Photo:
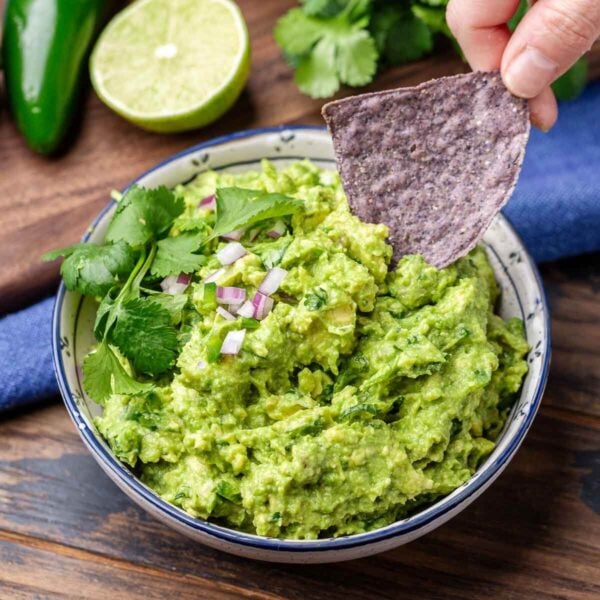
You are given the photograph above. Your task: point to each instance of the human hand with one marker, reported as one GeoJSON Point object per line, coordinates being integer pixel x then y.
{"type": "Point", "coordinates": [552, 35]}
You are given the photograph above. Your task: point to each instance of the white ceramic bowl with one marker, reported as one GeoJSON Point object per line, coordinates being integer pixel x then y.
{"type": "Point", "coordinates": [522, 296]}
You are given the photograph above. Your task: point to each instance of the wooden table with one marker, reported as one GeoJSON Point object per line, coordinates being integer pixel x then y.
{"type": "Point", "coordinates": [67, 531]}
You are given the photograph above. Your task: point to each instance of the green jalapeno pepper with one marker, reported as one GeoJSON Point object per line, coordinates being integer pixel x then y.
{"type": "Point", "coordinates": [44, 50]}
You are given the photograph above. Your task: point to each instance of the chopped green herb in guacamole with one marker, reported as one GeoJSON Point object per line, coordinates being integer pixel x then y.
{"type": "Point", "coordinates": [343, 398]}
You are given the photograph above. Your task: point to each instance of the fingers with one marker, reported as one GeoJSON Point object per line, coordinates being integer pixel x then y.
{"type": "Point", "coordinates": [480, 28]}
{"type": "Point", "coordinates": [543, 109]}
{"type": "Point", "coordinates": [551, 37]}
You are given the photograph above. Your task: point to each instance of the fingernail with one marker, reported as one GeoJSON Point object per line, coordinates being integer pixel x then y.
{"type": "Point", "coordinates": [529, 73]}
{"type": "Point", "coordinates": [540, 124]}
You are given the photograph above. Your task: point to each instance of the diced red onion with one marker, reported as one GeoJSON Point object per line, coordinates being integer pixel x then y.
{"type": "Point", "coordinates": [230, 295]}
{"type": "Point", "coordinates": [262, 305]}
{"type": "Point", "coordinates": [235, 235]}
{"type": "Point", "coordinates": [167, 282]}
{"type": "Point", "coordinates": [277, 230]}
{"type": "Point", "coordinates": [225, 314]}
{"type": "Point", "coordinates": [214, 276]}
{"type": "Point", "coordinates": [184, 278]}
{"type": "Point", "coordinates": [233, 308]}
{"type": "Point", "coordinates": [270, 284]}
{"type": "Point", "coordinates": [172, 285]}
{"type": "Point", "coordinates": [230, 253]}
{"type": "Point", "coordinates": [232, 343]}
{"type": "Point", "coordinates": [246, 310]}
{"type": "Point", "coordinates": [208, 203]}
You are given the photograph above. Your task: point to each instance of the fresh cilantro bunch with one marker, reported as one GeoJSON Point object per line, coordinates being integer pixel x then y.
{"type": "Point", "coordinates": [328, 43]}
{"type": "Point", "coordinates": [334, 42]}
{"type": "Point", "coordinates": [136, 323]}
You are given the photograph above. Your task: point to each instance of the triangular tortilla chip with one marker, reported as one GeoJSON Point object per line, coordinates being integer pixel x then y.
{"type": "Point", "coordinates": [434, 162]}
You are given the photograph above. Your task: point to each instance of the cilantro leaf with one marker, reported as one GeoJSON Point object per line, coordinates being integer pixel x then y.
{"type": "Point", "coordinates": [409, 39]}
{"type": "Point", "coordinates": [172, 303]}
{"type": "Point", "coordinates": [176, 255]}
{"type": "Point", "coordinates": [399, 34]}
{"type": "Point", "coordinates": [143, 215]}
{"type": "Point", "coordinates": [442, 3]}
{"type": "Point", "coordinates": [434, 18]}
{"type": "Point", "coordinates": [316, 73]}
{"type": "Point", "coordinates": [103, 375]}
{"type": "Point", "coordinates": [323, 8]}
{"type": "Point", "coordinates": [239, 207]}
{"type": "Point", "coordinates": [328, 46]}
{"type": "Point", "coordinates": [97, 373]}
{"type": "Point", "coordinates": [144, 334]}
{"type": "Point", "coordinates": [359, 11]}
{"type": "Point", "coordinates": [296, 33]}
{"type": "Point", "coordinates": [92, 270]}
{"type": "Point", "coordinates": [356, 58]}
{"type": "Point", "coordinates": [61, 252]}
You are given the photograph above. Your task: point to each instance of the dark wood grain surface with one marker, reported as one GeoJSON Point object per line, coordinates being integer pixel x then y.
{"type": "Point", "coordinates": [67, 532]}
{"type": "Point", "coordinates": [45, 203]}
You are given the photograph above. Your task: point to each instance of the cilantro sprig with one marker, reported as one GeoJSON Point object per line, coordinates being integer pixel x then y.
{"type": "Point", "coordinates": [133, 328]}
{"type": "Point", "coordinates": [136, 324]}
{"type": "Point", "coordinates": [143, 215]}
{"type": "Point", "coordinates": [178, 254]}
{"type": "Point", "coordinates": [334, 42]}
{"type": "Point", "coordinates": [239, 207]}
{"type": "Point", "coordinates": [92, 269]}
{"type": "Point", "coordinates": [329, 44]}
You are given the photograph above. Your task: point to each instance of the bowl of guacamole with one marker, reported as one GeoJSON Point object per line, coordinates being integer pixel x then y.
{"type": "Point", "coordinates": [243, 358]}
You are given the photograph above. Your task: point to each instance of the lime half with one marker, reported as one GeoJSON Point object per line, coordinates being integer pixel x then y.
{"type": "Point", "coordinates": [172, 65]}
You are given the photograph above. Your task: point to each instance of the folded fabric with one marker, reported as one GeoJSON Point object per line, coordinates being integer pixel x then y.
{"type": "Point", "coordinates": [26, 371]}
{"type": "Point", "coordinates": [555, 208]}
{"type": "Point", "coordinates": [556, 204]}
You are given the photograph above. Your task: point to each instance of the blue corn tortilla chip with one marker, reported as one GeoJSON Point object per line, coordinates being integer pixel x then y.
{"type": "Point", "coordinates": [434, 162]}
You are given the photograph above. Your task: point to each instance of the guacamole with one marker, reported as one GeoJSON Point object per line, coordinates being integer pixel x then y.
{"type": "Point", "coordinates": [365, 393]}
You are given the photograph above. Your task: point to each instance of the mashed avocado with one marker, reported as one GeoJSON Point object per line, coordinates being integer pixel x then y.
{"type": "Point", "coordinates": [364, 394]}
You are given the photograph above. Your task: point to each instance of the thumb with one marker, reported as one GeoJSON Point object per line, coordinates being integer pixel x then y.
{"type": "Point", "coordinates": [551, 37]}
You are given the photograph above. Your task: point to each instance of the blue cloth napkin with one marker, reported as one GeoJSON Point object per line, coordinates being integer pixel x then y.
{"type": "Point", "coordinates": [556, 204]}
{"type": "Point", "coordinates": [555, 208]}
{"type": "Point", "coordinates": [26, 371]}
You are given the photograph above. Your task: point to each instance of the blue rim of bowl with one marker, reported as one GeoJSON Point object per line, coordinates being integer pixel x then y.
{"type": "Point", "coordinates": [402, 527]}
